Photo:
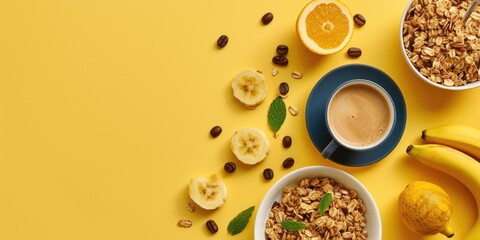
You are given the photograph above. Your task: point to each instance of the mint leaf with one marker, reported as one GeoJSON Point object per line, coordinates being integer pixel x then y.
{"type": "Point", "coordinates": [277, 114]}
{"type": "Point", "coordinates": [324, 203]}
{"type": "Point", "coordinates": [292, 225]}
{"type": "Point", "coordinates": [238, 223]}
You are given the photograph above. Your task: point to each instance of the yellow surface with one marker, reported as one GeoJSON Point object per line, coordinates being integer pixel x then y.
{"type": "Point", "coordinates": [105, 109]}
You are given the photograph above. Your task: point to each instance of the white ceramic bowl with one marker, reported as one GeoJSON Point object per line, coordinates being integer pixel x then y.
{"type": "Point", "coordinates": [374, 223]}
{"type": "Point", "coordinates": [417, 72]}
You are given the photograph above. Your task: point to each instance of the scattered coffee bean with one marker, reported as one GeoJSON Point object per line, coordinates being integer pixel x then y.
{"type": "Point", "coordinates": [267, 18]}
{"type": "Point", "coordinates": [293, 110]}
{"type": "Point", "coordinates": [354, 52]}
{"type": "Point", "coordinates": [359, 19]}
{"type": "Point", "coordinates": [222, 41]}
{"type": "Point", "coordinates": [215, 131]}
{"type": "Point", "coordinates": [288, 162]}
{"type": "Point", "coordinates": [212, 226]}
{"type": "Point", "coordinates": [297, 75]}
{"type": "Point", "coordinates": [230, 167]}
{"type": "Point", "coordinates": [280, 60]}
{"type": "Point", "coordinates": [268, 173]}
{"type": "Point", "coordinates": [283, 89]}
{"type": "Point", "coordinates": [287, 141]}
{"type": "Point", "coordinates": [282, 49]}
{"type": "Point", "coordinates": [274, 72]}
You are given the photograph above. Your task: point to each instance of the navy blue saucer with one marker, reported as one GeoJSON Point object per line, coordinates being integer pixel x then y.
{"type": "Point", "coordinates": [315, 113]}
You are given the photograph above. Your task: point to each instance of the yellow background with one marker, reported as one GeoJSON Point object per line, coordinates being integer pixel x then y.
{"type": "Point", "coordinates": [106, 108]}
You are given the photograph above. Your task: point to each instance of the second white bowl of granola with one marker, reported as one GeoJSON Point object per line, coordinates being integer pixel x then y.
{"type": "Point", "coordinates": [297, 197]}
{"type": "Point", "coordinates": [438, 46]}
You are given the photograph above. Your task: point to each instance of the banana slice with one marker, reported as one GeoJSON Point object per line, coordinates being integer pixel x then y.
{"type": "Point", "coordinates": [208, 193]}
{"type": "Point", "coordinates": [250, 145]}
{"type": "Point", "coordinates": [250, 88]}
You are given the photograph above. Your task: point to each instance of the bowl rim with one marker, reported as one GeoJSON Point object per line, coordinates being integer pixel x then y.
{"type": "Point", "coordinates": [292, 178]}
{"type": "Point", "coordinates": [412, 67]}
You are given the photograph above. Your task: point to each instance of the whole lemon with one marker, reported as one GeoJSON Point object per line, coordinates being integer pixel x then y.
{"type": "Point", "coordinates": [425, 208]}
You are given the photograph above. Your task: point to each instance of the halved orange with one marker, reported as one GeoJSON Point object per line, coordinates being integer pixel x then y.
{"type": "Point", "coordinates": [325, 26]}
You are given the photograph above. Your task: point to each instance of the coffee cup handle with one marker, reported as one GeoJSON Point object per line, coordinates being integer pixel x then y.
{"type": "Point", "coordinates": [330, 149]}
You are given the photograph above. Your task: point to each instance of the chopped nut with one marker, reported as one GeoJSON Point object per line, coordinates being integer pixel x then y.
{"type": "Point", "coordinates": [274, 72]}
{"type": "Point", "coordinates": [297, 75]}
{"type": "Point", "coordinates": [191, 207]}
{"type": "Point", "coordinates": [293, 110]}
{"type": "Point", "coordinates": [185, 223]}
{"type": "Point", "coordinates": [448, 82]}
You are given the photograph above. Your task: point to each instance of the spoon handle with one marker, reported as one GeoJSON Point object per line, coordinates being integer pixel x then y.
{"type": "Point", "coordinates": [470, 10]}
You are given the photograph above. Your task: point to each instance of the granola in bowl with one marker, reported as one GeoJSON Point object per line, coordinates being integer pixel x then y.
{"type": "Point", "coordinates": [351, 214]}
{"type": "Point", "coordinates": [345, 217]}
{"type": "Point", "coordinates": [439, 46]}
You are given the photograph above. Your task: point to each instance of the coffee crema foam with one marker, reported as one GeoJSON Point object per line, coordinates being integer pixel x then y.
{"type": "Point", "coordinates": [359, 115]}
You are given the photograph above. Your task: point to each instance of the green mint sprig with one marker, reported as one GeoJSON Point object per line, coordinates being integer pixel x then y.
{"type": "Point", "coordinates": [324, 203]}
{"type": "Point", "coordinates": [238, 223]}
{"type": "Point", "coordinates": [292, 225]}
{"type": "Point", "coordinates": [277, 114]}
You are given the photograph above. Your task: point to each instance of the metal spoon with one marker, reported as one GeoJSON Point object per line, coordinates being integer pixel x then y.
{"type": "Point", "coordinates": [470, 10]}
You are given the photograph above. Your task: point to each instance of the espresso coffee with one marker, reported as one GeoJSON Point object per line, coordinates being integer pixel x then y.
{"type": "Point", "coordinates": [359, 115]}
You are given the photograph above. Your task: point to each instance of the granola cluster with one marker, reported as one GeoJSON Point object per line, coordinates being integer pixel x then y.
{"type": "Point", "coordinates": [439, 44]}
{"type": "Point", "coordinates": [345, 218]}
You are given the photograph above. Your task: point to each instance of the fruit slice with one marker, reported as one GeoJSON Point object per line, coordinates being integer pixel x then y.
{"type": "Point", "coordinates": [250, 88]}
{"type": "Point", "coordinates": [208, 193]}
{"type": "Point", "coordinates": [325, 26]}
{"type": "Point", "coordinates": [250, 145]}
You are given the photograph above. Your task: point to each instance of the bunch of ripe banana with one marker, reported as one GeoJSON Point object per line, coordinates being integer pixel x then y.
{"type": "Point", "coordinates": [454, 150]}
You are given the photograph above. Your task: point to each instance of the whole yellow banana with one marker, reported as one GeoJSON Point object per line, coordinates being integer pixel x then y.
{"type": "Point", "coordinates": [456, 164]}
{"type": "Point", "coordinates": [461, 137]}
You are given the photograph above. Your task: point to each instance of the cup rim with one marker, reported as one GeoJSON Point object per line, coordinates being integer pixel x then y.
{"type": "Point", "coordinates": [391, 106]}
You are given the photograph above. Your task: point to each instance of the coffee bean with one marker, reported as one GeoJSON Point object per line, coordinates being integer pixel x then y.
{"type": "Point", "coordinates": [283, 89]}
{"type": "Point", "coordinates": [212, 226]}
{"type": "Point", "coordinates": [230, 167]}
{"type": "Point", "coordinates": [215, 131]}
{"type": "Point", "coordinates": [354, 52]}
{"type": "Point", "coordinates": [268, 173]}
{"type": "Point", "coordinates": [287, 141]}
{"type": "Point", "coordinates": [288, 162]}
{"type": "Point", "coordinates": [359, 19]}
{"type": "Point", "coordinates": [267, 18]}
{"type": "Point", "coordinates": [280, 60]}
{"type": "Point", "coordinates": [222, 41]}
{"type": "Point", "coordinates": [282, 49]}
